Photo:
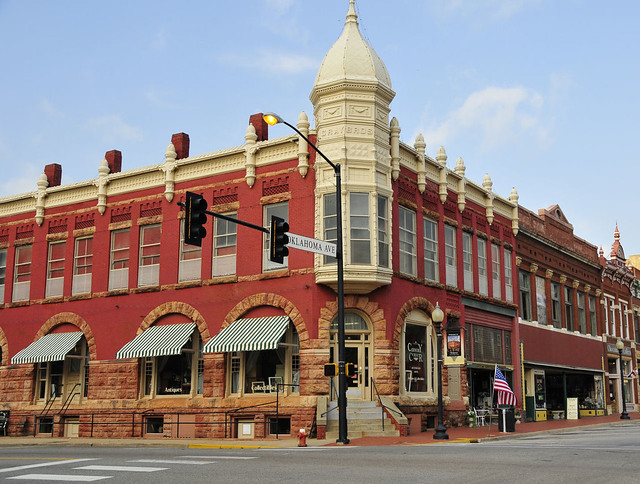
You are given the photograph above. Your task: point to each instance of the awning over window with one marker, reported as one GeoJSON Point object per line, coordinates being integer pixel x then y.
{"type": "Point", "coordinates": [250, 334]}
{"type": "Point", "coordinates": [158, 341]}
{"type": "Point", "coordinates": [51, 347]}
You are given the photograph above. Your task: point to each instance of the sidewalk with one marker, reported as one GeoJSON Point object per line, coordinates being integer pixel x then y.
{"type": "Point", "coordinates": [456, 435]}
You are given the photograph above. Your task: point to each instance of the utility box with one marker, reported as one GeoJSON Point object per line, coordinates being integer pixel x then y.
{"type": "Point", "coordinates": [507, 419]}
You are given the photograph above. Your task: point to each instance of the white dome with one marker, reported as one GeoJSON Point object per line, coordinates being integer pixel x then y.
{"type": "Point", "coordinates": [351, 58]}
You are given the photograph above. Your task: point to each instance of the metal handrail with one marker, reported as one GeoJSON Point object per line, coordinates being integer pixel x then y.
{"type": "Point", "coordinates": [69, 399]}
{"type": "Point", "coordinates": [382, 405]}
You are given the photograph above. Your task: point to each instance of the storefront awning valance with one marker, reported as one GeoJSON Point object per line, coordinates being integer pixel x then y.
{"type": "Point", "coordinates": [51, 347]}
{"type": "Point", "coordinates": [249, 334]}
{"type": "Point", "coordinates": [158, 341]}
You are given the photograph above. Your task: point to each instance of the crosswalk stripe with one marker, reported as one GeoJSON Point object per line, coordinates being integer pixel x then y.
{"type": "Point", "coordinates": [173, 461]}
{"type": "Point", "coordinates": [121, 468]}
{"type": "Point", "coordinates": [43, 464]}
{"type": "Point", "coordinates": [216, 457]}
{"type": "Point", "coordinates": [59, 477]}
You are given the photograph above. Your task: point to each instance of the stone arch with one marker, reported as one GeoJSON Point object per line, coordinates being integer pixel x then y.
{"type": "Point", "coordinates": [176, 307]}
{"type": "Point", "coordinates": [412, 304]}
{"type": "Point", "coordinates": [70, 318]}
{"type": "Point", "coordinates": [274, 300]}
{"type": "Point", "coordinates": [360, 303]}
{"type": "Point", "coordinates": [4, 348]}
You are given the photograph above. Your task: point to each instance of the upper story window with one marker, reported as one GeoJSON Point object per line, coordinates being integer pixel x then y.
{"type": "Point", "coordinates": [525, 295]}
{"type": "Point", "coordinates": [329, 223]}
{"type": "Point", "coordinates": [556, 315]}
{"type": "Point", "coordinates": [624, 318]}
{"type": "Point", "coordinates": [407, 236]}
{"type": "Point", "coordinates": [224, 246]}
{"type": "Point", "coordinates": [431, 258]}
{"type": "Point", "coordinates": [495, 270]}
{"type": "Point", "coordinates": [82, 265]}
{"type": "Point", "coordinates": [190, 259]}
{"type": "Point", "coordinates": [3, 272]}
{"type": "Point", "coordinates": [450, 255]}
{"type": "Point", "coordinates": [467, 261]}
{"type": "Point", "coordinates": [592, 316]}
{"type": "Point", "coordinates": [582, 315]}
{"type": "Point", "coordinates": [508, 277]}
{"type": "Point", "coordinates": [278, 210]}
{"type": "Point", "coordinates": [568, 307]}
{"type": "Point", "coordinates": [119, 259]}
{"type": "Point", "coordinates": [22, 273]}
{"type": "Point", "coordinates": [359, 233]}
{"type": "Point", "coordinates": [541, 300]}
{"type": "Point", "coordinates": [55, 269]}
{"type": "Point", "coordinates": [483, 277]}
{"type": "Point", "coordinates": [383, 231]}
{"type": "Point", "coordinates": [149, 261]}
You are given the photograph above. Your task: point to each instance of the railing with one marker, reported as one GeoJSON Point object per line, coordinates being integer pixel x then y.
{"type": "Point", "coordinates": [69, 399]}
{"type": "Point", "coordinates": [332, 393]}
{"type": "Point", "coordinates": [382, 405]}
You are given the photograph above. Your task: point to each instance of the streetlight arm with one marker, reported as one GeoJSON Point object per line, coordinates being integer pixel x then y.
{"type": "Point", "coordinates": [277, 119]}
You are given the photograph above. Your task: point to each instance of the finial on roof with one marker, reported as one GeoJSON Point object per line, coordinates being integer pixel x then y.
{"type": "Point", "coordinates": [352, 16]}
{"type": "Point", "coordinates": [616, 234]}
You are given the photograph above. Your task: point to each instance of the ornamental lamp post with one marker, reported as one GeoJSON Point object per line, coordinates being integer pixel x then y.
{"type": "Point", "coordinates": [623, 415]}
{"type": "Point", "coordinates": [437, 316]}
{"type": "Point", "coordinates": [273, 119]}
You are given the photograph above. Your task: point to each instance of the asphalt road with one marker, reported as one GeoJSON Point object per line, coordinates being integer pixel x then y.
{"type": "Point", "coordinates": [590, 455]}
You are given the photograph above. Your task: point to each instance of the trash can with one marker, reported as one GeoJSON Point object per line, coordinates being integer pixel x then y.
{"type": "Point", "coordinates": [507, 418]}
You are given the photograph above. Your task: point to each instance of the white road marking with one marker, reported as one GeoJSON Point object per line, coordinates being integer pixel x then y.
{"type": "Point", "coordinates": [60, 477]}
{"type": "Point", "coordinates": [121, 468]}
{"type": "Point", "coordinates": [173, 461]}
{"type": "Point", "coordinates": [44, 464]}
{"type": "Point", "coordinates": [216, 457]}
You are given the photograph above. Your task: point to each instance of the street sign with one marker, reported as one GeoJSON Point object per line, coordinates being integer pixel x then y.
{"type": "Point", "coordinates": [312, 245]}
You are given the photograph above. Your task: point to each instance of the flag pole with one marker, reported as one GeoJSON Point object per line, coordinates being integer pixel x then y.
{"type": "Point", "coordinates": [493, 387]}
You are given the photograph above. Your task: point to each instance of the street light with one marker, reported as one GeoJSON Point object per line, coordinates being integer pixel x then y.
{"type": "Point", "coordinates": [623, 415]}
{"type": "Point", "coordinates": [437, 316]}
{"type": "Point", "coordinates": [273, 119]}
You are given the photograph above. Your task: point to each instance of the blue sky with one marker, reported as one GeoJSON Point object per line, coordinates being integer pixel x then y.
{"type": "Point", "coordinates": [540, 94]}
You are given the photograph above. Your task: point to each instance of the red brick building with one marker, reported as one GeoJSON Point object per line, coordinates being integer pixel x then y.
{"type": "Point", "coordinates": [560, 317]}
{"type": "Point", "coordinates": [111, 326]}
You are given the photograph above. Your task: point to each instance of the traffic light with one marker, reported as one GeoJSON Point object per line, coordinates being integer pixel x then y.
{"type": "Point", "coordinates": [279, 239]}
{"type": "Point", "coordinates": [330, 369]}
{"type": "Point", "coordinates": [195, 218]}
{"type": "Point", "coordinates": [351, 369]}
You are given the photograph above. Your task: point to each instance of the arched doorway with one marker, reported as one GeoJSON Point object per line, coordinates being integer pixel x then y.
{"type": "Point", "coordinates": [358, 351]}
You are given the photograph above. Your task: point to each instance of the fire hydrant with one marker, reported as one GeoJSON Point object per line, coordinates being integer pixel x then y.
{"type": "Point", "coordinates": [302, 438]}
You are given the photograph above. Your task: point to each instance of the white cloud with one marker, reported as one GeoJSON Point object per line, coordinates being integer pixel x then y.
{"type": "Point", "coordinates": [496, 117]}
{"type": "Point", "coordinates": [24, 183]}
{"type": "Point", "coordinates": [493, 9]}
{"type": "Point", "coordinates": [113, 128]}
{"type": "Point", "coordinates": [280, 6]}
{"type": "Point", "coordinates": [271, 61]}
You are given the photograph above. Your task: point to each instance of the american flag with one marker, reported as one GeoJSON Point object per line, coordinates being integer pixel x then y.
{"type": "Point", "coordinates": [505, 394]}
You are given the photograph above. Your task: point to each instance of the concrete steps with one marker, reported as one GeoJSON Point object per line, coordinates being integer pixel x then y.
{"type": "Point", "coordinates": [364, 419]}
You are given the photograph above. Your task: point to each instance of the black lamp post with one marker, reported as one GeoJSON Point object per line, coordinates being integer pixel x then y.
{"type": "Point", "coordinates": [623, 415]}
{"type": "Point", "coordinates": [437, 316]}
{"type": "Point", "coordinates": [272, 119]}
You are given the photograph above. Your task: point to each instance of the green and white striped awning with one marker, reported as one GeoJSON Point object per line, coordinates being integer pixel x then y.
{"type": "Point", "coordinates": [250, 334]}
{"type": "Point", "coordinates": [51, 347]}
{"type": "Point", "coordinates": [158, 341]}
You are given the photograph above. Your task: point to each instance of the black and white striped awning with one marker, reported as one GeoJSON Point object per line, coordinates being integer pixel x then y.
{"type": "Point", "coordinates": [158, 341]}
{"type": "Point", "coordinates": [51, 347]}
{"type": "Point", "coordinates": [249, 334]}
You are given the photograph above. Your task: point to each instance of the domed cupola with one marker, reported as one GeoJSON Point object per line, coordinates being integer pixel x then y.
{"type": "Point", "coordinates": [351, 59]}
{"type": "Point", "coordinates": [351, 103]}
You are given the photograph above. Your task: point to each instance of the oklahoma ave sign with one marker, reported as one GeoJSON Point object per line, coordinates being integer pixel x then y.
{"type": "Point", "coordinates": [311, 245]}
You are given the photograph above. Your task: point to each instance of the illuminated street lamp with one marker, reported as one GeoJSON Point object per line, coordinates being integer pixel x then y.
{"type": "Point", "coordinates": [437, 316]}
{"type": "Point", "coordinates": [623, 415]}
{"type": "Point", "coordinates": [273, 119]}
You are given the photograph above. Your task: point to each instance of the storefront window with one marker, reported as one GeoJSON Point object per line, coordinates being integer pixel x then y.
{"type": "Point", "coordinates": [419, 353]}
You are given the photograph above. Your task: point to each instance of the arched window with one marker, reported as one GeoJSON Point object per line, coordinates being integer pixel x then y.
{"type": "Point", "coordinates": [418, 354]}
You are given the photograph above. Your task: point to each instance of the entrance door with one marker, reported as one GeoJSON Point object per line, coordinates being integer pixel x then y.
{"type": "Point", "coordinates": [358, 385]}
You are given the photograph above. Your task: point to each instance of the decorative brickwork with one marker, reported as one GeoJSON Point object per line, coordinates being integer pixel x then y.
{"type": "Point", "coordinates": [176, 307]}
{"type": "Point", "coordinates": [71, 318]}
